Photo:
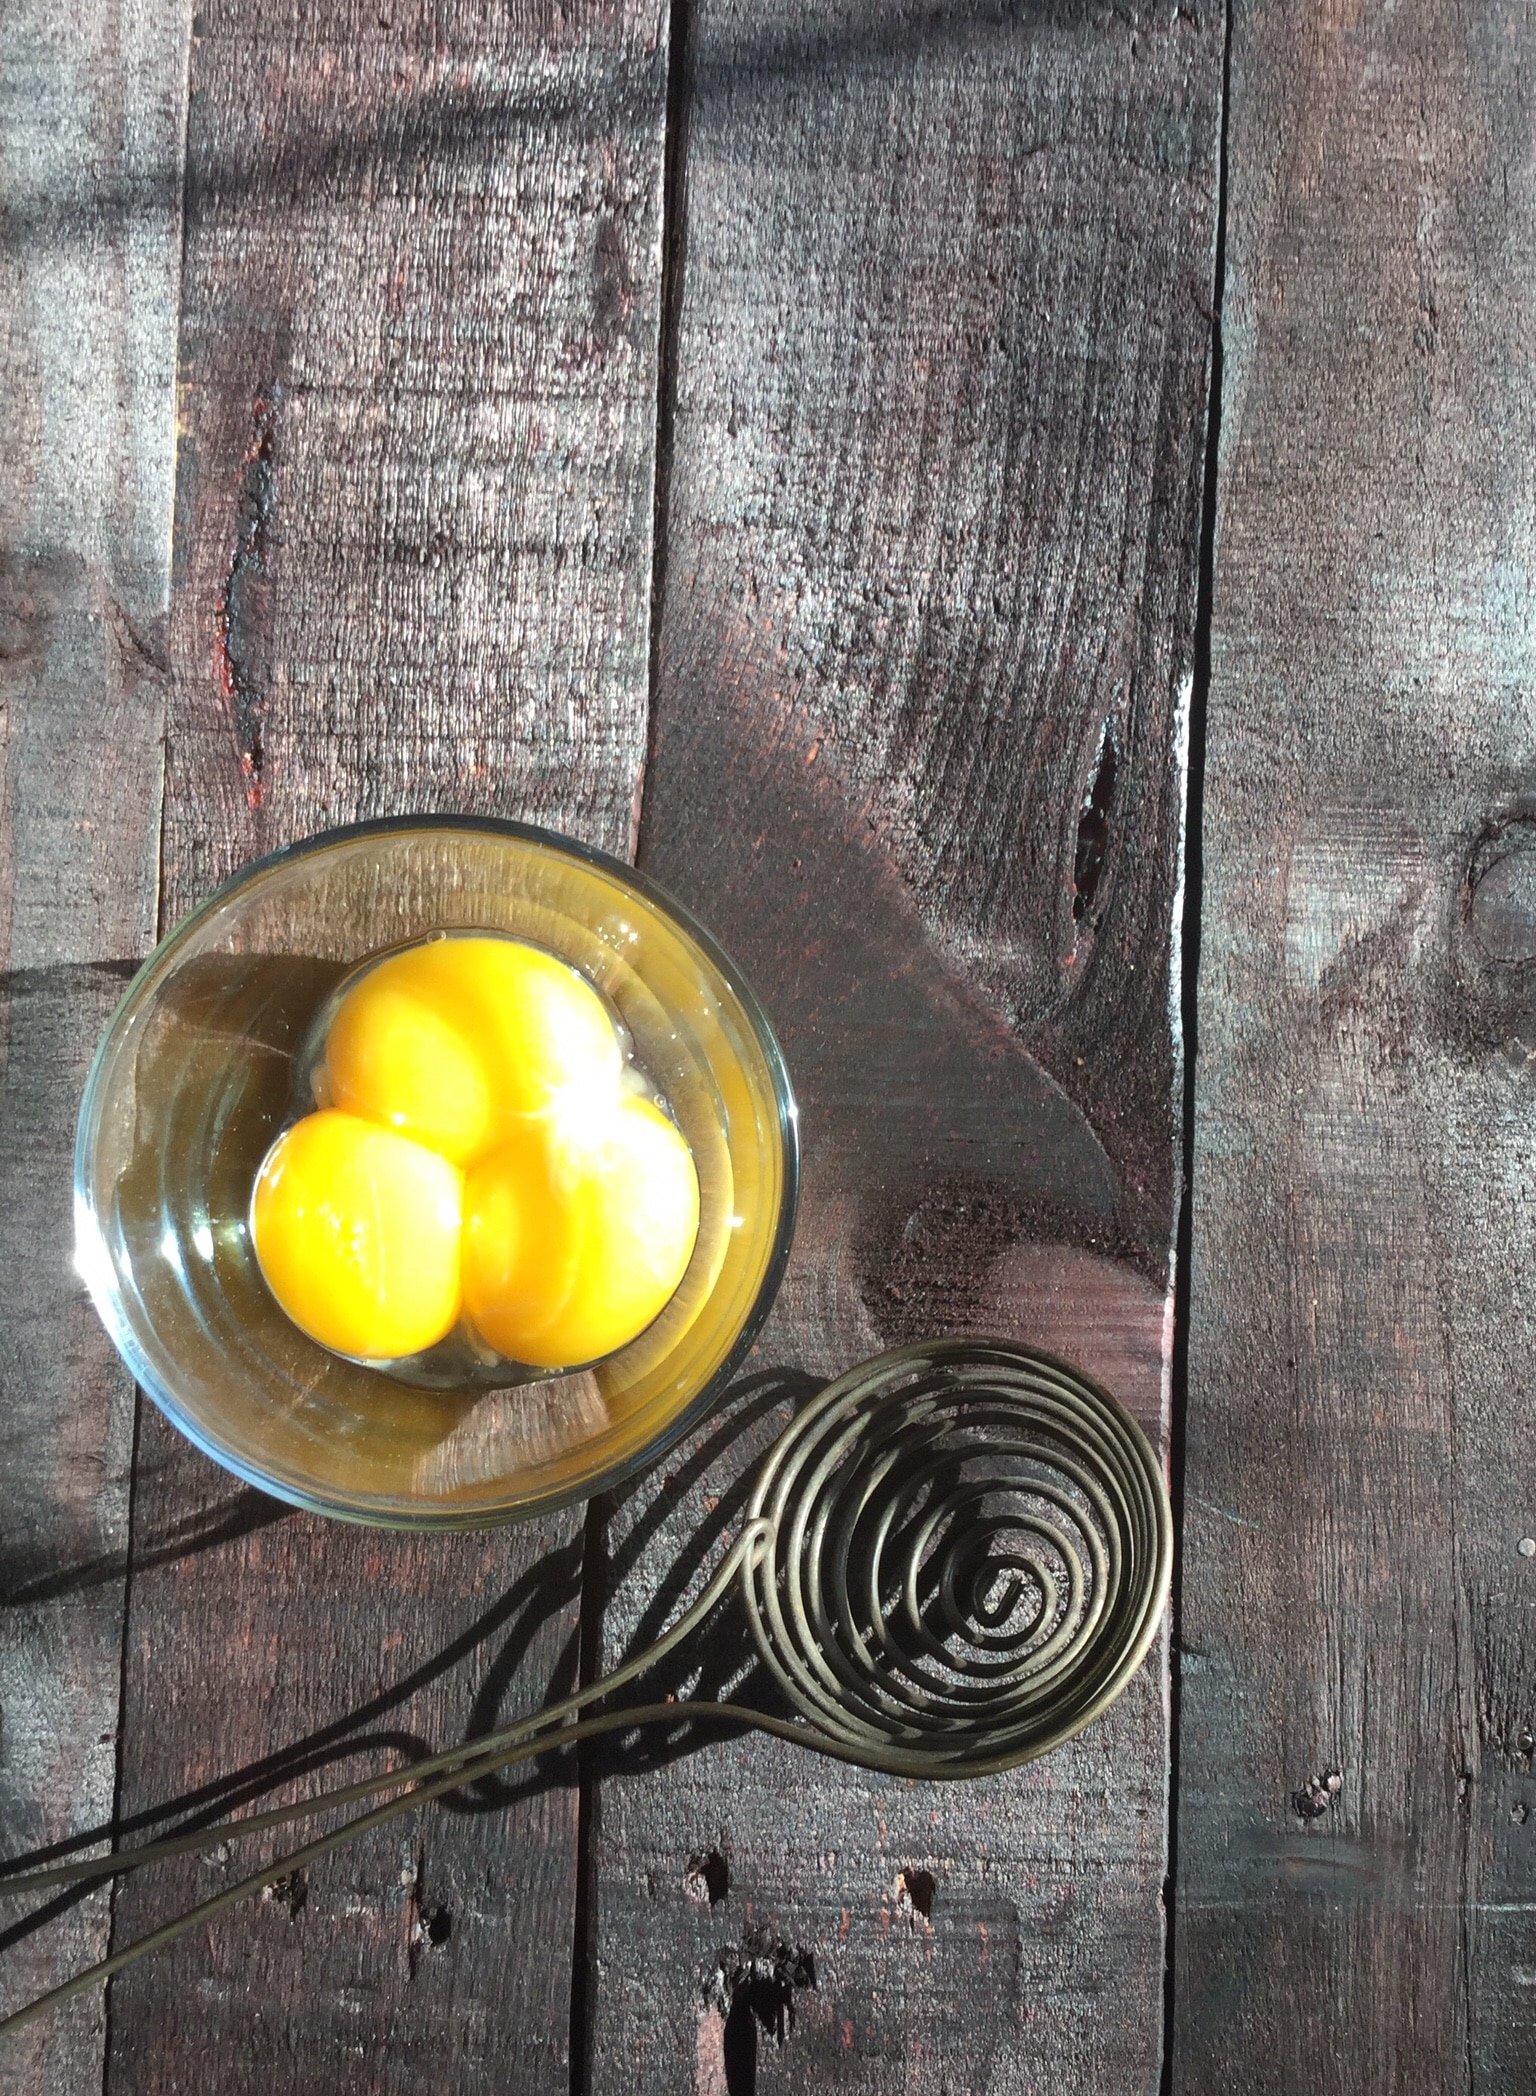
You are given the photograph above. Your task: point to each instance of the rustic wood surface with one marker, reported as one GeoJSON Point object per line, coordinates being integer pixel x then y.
{"type": "Point", "coordinates": [942, 293]}
{"type": "Point", "coordinates": [774, 441]}
{"type": "Point", "coordinates": [1355, 1890]}
{"type": "Point", "coordinates": [90, 126]}
{"type": "Point", "coordinates": [413, 561]}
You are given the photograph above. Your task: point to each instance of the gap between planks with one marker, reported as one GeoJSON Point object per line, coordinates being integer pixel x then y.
{"type": "Point", "coordinates": [594, 1558]}
{"type": "Point", "coordinates": [1187, 932]}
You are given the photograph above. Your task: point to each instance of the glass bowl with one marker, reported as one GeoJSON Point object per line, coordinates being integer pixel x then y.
{"type": "Point", "coordinates": [195, 1076]}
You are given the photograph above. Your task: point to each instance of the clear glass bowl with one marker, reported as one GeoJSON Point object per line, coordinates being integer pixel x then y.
{"type": "Point", "coordinates": [195, 1075]}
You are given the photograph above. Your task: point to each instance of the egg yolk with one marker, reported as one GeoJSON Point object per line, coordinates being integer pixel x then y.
{"type": "Point", "coordinates": [477, 1155]}
{"type": "Point", "coordinates": [453, 1041]}
{"type": "Point", "coordinates": [357, 1232]}
{"type": "Point", "coordinates": [577, 1231]}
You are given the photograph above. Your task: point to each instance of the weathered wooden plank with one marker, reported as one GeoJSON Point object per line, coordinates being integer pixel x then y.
{"type": "Point", "coordinates": [90, 127]}
{"type": "Point", "coordinates": [1356, 1897]}
{"type": "Point", "coordinates": [421, 303]}
{"type": "Point", "coordinates": [926, 646]}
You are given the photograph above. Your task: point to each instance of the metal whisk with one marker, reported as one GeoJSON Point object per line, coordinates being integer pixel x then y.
{"type": "Point", "coordinates": [954, 1559]}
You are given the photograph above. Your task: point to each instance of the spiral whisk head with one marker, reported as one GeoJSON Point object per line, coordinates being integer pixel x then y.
{"type": "Point", "coordinates": [967, 1552]}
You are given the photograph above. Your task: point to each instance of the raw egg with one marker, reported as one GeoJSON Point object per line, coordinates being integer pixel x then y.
{"type": "Point", "coordinates": [453, 1041]}
{"type": "Point", "coordinates": [482, 1159]}
{"type": "Point", "coordinates": [356, 1229]}
{"type": "Point", "coordinates": [577, 1231]}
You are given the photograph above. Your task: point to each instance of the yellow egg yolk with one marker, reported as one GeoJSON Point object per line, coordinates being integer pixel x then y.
{"type": "Point", "coordinates": [357, 1232]}
{"type": "Point", "coordinates": [476, 1156]}
{"type": "Point", "coordinates": [577, 1231]}
{"type": "Point", "coordinates": [453, 1041]}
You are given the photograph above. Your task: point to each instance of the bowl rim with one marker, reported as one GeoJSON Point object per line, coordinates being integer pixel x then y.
{"type": "Point", "coordinates": [93, 1262]}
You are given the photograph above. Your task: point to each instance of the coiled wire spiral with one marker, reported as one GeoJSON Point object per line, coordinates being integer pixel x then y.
{"type": "Point", "coordinates": [954, 1558]}
{"type": "Point", "coordinates": [968, 1553]}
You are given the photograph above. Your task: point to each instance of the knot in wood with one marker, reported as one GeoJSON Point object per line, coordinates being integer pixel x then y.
{"type": "Point", "coordinates": [1502, 884]}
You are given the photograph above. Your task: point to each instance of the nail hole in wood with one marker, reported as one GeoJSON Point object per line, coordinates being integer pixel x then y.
{"type": "Point", "coordinates": [914, 1895]}
{"type": "Point", "coordinates": [753, 1985]}
{"type": "Point", "coordinates": [706, 1877]}
{"type": "Point", "coordinates": [1317, 1794]}
{"type": "Point", "coordinates": [290, 1892]}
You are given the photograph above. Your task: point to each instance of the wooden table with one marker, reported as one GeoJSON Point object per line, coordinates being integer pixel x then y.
{"type": "Point", "coordinates": [1021, 514]}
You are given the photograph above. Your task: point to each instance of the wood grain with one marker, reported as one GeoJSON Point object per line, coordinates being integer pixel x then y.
{"type": "Point", "coordinates": [413, 562]}
{"type": "Point", "coordinates": [90, 130]}
{"type": "Point", "coordinates": [925, 649]}
{"type": "Point", "coordinates": [1357, 1883]}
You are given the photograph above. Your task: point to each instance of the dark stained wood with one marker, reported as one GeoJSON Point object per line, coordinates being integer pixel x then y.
{"type": "Point", "coordinates": [1357, 1881]}
{"type": "Point", "coordinates": [90, 126]}
{"type": "Point", "coordinates": [421, 302]}
{"type": "Point", "coordinates": [925, 657]}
